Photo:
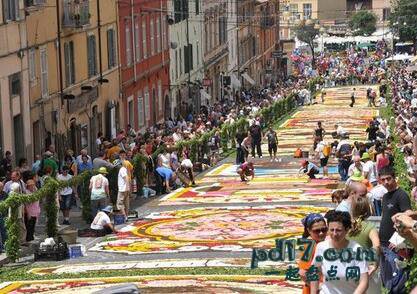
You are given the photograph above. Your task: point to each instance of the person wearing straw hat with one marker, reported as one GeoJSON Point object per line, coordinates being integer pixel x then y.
{"type": "Point", "coordinates": [101, 224]}
{"type": "Point", "coordinates": [99, 188]}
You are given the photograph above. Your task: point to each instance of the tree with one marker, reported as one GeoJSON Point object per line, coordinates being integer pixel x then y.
{"type": "Point", "coordinates": [363, 23]}
{"type": "Point", "coordinates": [403, 20]}
{"type": "Point", "coordinates": [306, 32]}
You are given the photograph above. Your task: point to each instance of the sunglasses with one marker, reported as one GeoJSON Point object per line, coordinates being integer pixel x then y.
{"type": "Point", "coordinates": [322, 230]}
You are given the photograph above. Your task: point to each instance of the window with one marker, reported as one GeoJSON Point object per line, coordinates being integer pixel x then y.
{"type": "Point", "coordinates": [180, 63]}
{"type": "Point", "coordinates": [10, 10]}
{"type": "Point", "coordinates": [197, 7]}
{"type": "Point", "coordinates": [128, 44]}
{"type": "Point", "coordinates": [152, 32]}
{"type": "Point", "coordinates": [198, 55]}
{"type": "Point", "coordinates": [307, 10]}
{"type": "Point", "coordinates": [294, 8]}
{"type": "Point", "coordinates": [14, 82]}
{"type": "Point", "coordinates": [91, 56]}
{"type": "Point", "coordinates": [158, 36]}
{"type": "Point", "coordinates": [147, 104]}
{"type": "Point", "coordinates": [180, 10]}
{"type": "Point", "coordinates": [44, 73]}
{"type": "Point", "coordinates": [188, 58]}
{"type": "Point", "coordinates": [144, 45]}
{"type": "Point", "coordinates": [206, 36]}
{"type": "Point", "coordinates": [386, 12]}
{"type": "Point", "coordinates": [137, 40]}
{"type": "Point", "coordinates": [111, 48]}
{"type": "Point", "coordinates": [69, 63]}
{"type": "Point", "coordinates": [141, 112]}
{"type": "Point", "coordinates": [160, 96]}
{"type": "Point", "coordinates": [176, 64]}
{"type": "Point", "coordinates": [32, 66]}
{"type": "Point", "coordinates": [164, 34]}
{"type": "Point", "coordinates": [222, 29]}
{"type": "Point", "coordinates": [131, 112]}
{"type": "Point", "coordinates": [177, 11]}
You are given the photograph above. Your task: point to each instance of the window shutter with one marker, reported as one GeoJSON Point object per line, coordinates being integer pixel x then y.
{"type": "Point", "coordinates": [67, 64]}
{"type": "Point", "coordinates": [137, 40]}
{"type": "Point", "coordinates": [72, 64]}
{"type": "Point", "coordinates": [44, 73]}
{"type": "Point", "coordinates": [93, 55]}
{"type": "Point", "coordinates": [109, 48]}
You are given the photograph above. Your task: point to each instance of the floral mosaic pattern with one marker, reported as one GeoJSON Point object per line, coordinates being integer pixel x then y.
{"type": "Point", "coordinates": [219, 229]}
{"type": "Point", "coordinates": [234, 191]}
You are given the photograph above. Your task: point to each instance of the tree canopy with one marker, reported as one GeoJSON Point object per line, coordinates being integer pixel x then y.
{"type": "Point", "coordinates": [307, 32]}
{"type": "Point", "coordinates": [403, 19]}
{"type": "Point", "coordinates": [363, 23]}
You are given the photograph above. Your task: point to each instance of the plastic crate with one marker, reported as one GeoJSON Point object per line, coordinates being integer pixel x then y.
{"type": "Point", "coordinates": [75, 251]}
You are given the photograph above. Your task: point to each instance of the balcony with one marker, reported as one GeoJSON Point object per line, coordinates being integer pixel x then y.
{"type": "Point", "coordinates": [76, 13]}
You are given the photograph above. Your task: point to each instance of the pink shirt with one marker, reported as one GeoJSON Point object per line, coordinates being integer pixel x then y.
{"type": "Point", "coordinates": [33, 209]}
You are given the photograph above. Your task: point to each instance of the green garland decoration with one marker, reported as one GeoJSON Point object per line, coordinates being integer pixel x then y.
{"type": "Point", "coordinates": [139, 171]}
{"type": "Point", "coordinates": [13, 233]}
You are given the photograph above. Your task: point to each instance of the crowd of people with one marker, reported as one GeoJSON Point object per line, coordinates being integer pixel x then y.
{"type": "Point", "coordinates": [366, 168]}
{"type": "Point", "coordinates": [165, 171]}
{"type": "Point", "coordinates": [371, 188]}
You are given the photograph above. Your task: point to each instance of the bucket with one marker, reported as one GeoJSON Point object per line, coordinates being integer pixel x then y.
{"type": "Point", "coordinates": [69, 236]}
{"type": "Point", "coordinates": [119, 219]}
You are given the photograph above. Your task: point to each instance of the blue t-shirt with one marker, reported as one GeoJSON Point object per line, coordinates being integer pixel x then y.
{"type": "Point", "coordinates": [312, 166]}
{"type": "Point", "coordinates": [84, 166]}
{"type": "Point", "coordinates": [164, 172]}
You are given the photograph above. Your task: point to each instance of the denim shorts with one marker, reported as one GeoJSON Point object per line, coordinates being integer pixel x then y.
{"type": "Point", "coordinates": [65, 202]}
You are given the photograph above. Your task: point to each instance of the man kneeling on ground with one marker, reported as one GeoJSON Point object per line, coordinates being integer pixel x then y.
{"type": "Point", "coordinates": [101, 223]}
{"type": "Point", "coordinates": [245, 170]}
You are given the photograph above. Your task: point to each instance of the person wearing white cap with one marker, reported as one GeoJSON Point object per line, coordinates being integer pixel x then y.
{"type": "Point", "coordinates": [102, 223]}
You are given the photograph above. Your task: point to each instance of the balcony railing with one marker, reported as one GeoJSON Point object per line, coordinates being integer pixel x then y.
{"type": "Point", "coordinates": [76, 13]}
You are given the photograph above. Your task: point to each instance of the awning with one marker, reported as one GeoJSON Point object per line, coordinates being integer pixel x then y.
{"type": "Point", "coordinates": [248, 79]}
{"type": "Point", "coordinates": [235, 81]}
{"type": "Point", "coordinates": [205, 96]}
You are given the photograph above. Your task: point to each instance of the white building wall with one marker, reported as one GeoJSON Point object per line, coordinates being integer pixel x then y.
{"type": "Point", "coordinates": [178, 39]}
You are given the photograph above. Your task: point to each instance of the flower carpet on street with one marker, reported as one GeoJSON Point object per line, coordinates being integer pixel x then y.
{"type": "Point", "coordinates": [297, 131]}
{"type": "Point", "coordinates": [234, 191]}
{"type": "Point", "coordinates": [162, 284]}
{"type": "Point", "coordinates": [214, 229]}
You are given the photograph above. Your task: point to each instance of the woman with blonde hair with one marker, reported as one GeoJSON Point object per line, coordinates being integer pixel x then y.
{"type": "Point", "coordinates": [365, 233]}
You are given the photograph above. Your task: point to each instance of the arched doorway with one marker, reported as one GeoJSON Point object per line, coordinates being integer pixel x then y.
{"type": "Point", "coordinates": [167, 108]}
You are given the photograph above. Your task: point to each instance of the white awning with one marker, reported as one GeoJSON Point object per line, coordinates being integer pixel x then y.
{"type": "Point", "coordinates": [235, 81]}
{"type": "Point", "coordinates": [205, 96]}
{"type": "Point", "coordinates": [248, 79]}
